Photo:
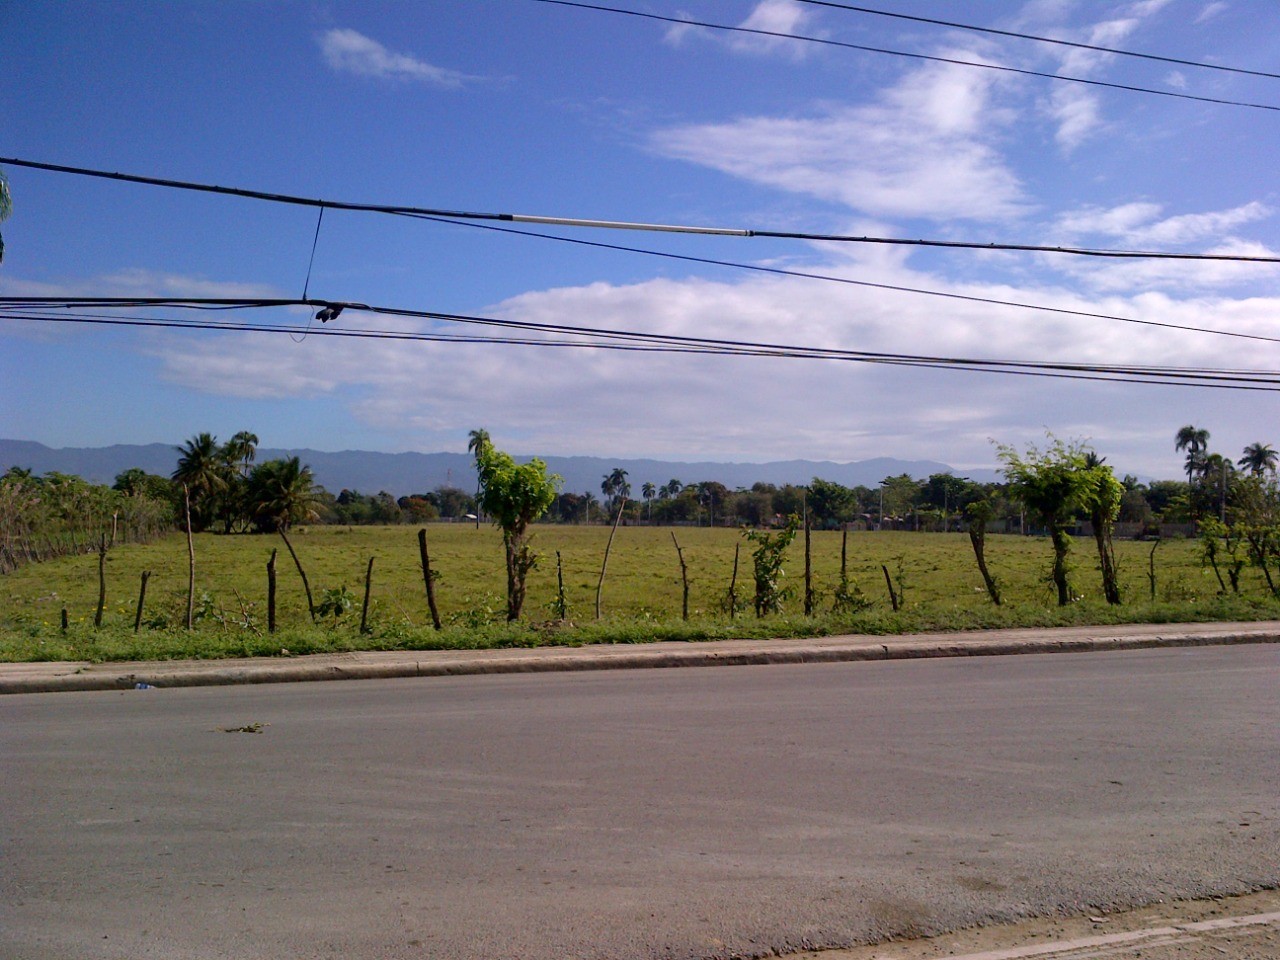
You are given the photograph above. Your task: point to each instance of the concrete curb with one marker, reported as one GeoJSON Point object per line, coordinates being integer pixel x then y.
{"type": "Point", "coordinates": [45, 678]}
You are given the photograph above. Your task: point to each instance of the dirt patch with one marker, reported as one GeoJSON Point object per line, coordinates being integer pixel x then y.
{"type": "Point", "coordinates": [1213, 938]}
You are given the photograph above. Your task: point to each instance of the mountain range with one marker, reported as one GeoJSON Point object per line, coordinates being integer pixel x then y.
{"type": "Point", "coordinates": [405, 473]}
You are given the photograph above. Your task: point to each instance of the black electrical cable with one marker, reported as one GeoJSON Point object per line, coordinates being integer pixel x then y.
{"type": "Point", "coordinates": [428, 213]}
{"type": "Point", "coordinates": [914, 56]}
{"type": "Point", "coordinates": [48, 303]}
{"type": "Point", "coordinates": [637, 341]}
{"type": "Point", "coordinates": [897, 288]}
{"type": "Point", "coordinates": [1054, 40]}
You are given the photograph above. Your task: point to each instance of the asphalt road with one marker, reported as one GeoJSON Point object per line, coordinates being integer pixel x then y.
{"type": "Point", "coordinates": [636, 814]}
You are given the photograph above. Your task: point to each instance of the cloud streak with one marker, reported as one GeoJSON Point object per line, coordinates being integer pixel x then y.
{"type": "Point", "coordinates": [348, 51]}
{"type": "Point", "coordinates": [921, 151]}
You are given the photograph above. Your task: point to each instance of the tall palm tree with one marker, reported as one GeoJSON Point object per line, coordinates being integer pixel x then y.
{"type": "Point", "coordinates": [1195, 440]}
{"type": "Point", "coordinates": [671, 489]}
{"type": "Point", "coordinates": [241, 450]}
{"type": "Point", "coordinates": [1259, 458]}
{"type": "Point", "coordinates": [1216, 471]}
{"type": "Point", "coordinates": [649, 491]}
{"type": "Point", "coordinates": [201, 469]}
{"type": "Point", "coordinates": [478, 443]}
{"type": "Point", "coordinates": [6, 206]}
{"type": "Point", "coordinates": [615, 486]}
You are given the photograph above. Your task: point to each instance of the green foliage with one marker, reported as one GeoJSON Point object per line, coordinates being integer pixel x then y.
{"type": "Point", "coordinates": [645, 601]}
{"type": "Point", "coordinates": [848, 598]}
{"type": "Point", "coordinates": [829, 504]}
{"type": "Point", "coordinates": [766, 561]}
{"type": "Point", "coordinates": [1056, 484]}
{"type": "Point", "coordinates": [280, 494]}
{"type": "Point", "coordinates": [58, 514]}
{"type": "Point", "coordinates": [514, 496]}
{"type": "Point", "coordinates": [335, 602]}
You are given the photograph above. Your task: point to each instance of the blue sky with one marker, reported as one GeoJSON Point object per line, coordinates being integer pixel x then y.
{"type": "Point", "coordinates": [519, 106]}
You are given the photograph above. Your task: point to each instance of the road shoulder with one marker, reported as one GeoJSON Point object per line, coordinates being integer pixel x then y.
{"type": "Point", "coordinates": [69, 676]}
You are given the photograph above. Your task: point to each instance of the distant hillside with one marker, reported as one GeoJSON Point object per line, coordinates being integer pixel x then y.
{"type": "Point", "coordinates": [405, 473]}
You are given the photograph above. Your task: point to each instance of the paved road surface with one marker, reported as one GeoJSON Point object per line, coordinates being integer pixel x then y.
{"type": "Point", "coordinates": [632, 815]}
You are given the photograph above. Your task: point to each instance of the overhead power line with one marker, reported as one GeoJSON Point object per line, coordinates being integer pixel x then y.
{"type": "Point", "coordinates": [430, 213]}
{"type": "Point", "coordinates": [39, 309]}
{"type": "Point", "coordinates": [1038, 39]}
{"type": "Point", "coordinates": [850, 281]}
{"type": "Point", "coordinates": [865, 48]}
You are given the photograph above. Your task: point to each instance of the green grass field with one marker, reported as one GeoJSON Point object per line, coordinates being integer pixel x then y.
{"type": "Point", "coordinates": [641, 599]}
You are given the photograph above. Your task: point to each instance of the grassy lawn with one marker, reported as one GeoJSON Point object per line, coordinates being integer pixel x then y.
{"type": "Point", "coordinates": [641, 600]}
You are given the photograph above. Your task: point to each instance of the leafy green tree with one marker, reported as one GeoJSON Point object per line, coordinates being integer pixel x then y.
{"type": "Point", "coordinates": [980, 513]}
{"type": "Point", "coordinates": [948, 494]}
{"type": "Point", "coordinates": [1255, 513]}
{"type": "Point", "coordinates": [767, 560]}
{"type": "Point", "coordinates": [830, 504]}
{"type": "Point", "coordinates": [136, 482]}
{"type": "Point", "coordinates": [900, 495]}
{"type": "Point", "coordinates": [1054, 484]}
{"type": "Point", "coordinates": [451, 501]}
{"type": "Point", "coordinates": [1102, 499]}
{"type": "Point", "coordinates": [418, 509]}
{"type": "Point", "coordinates": [514, 496]}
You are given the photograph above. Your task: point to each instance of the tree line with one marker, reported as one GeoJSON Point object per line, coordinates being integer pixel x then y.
{"type": "Point", "coordinates": [1053, 490]}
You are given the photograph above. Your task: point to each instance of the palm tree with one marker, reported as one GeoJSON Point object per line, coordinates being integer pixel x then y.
{"type": "Point", "coordinates": [1194, 440]}
{"type": "Point", "coordinates": [241, 450]}
{"type": "Point", "coordinates": [615, 485]}
{"type": "Point", "coordinates": [1259, 458]}
{"type": "Point", "coordinates": [648, 491]}
{"type": "Point", "coordinates": [6, 206]}
{"type": "Point", "coordinates": [671, 489]}
{"type": "Point", "coordinates": [201, 469]}
{"type": "Point", "coordinates": [281, 493]}
{"type": "Point", "coordinates": [1216, 470]}
{"type": "Point", "coordinates": [478, 443]}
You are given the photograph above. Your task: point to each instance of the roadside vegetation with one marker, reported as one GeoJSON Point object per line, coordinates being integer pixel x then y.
{"type": "Point", "coordinates": [231, 558]}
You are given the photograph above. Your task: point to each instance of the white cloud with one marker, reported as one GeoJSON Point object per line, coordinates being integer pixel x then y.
{"type": "Point", "coordinates": [1076, 113]}
{"type": "Point", "coordinates": [560, 400]}
{"type": "Point", "coordinates": [348, 51]}
{"type": "Point", "coordinates": [1138, 224]}
{"type": "Point", "coordinates": [1211, 10]}
{"type": "Point", "coordinates": [771, 16]}
{"type": "Point", "coordinates": [1073, 108]}
{"type": "Point", "coordinates": [1188, 277]}
{"type": "Point", "coordinates": [921, 151]}
{"type": "Point", "coordinates": [136, 282]}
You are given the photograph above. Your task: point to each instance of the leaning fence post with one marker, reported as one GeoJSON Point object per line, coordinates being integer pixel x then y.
{"type": "Point", "coordinates": [102, 581]}
{"type": "Point", "coordinates": [428, 578]}
{"type": "Point", "coordinates": [364, 610]}
{"type": "Point", "coordinates": [142, 596]}
{"type": "Point", "coordinates": [271, 592]}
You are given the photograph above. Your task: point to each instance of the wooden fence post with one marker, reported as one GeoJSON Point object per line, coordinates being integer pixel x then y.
{"type": "Point", "coordinates": [142, 597]}
{"type": "Point", "coordinates": [364, 610]}
{"type": "Point", "coordinates": [428, 578]}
